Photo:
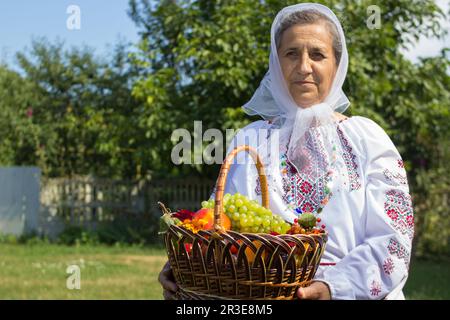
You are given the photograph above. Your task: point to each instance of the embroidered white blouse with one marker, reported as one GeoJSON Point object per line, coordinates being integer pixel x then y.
{"type": "Point", "coordinates": [363, 203]}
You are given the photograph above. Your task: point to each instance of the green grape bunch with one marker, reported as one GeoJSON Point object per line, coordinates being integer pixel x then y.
{"type": "Point", "coordinates": [249, 216]}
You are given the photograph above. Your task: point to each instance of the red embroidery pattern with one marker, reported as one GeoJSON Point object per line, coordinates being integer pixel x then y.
{"type": "Point", "coordinates": [375, 288]}
{"type": "Point", "coordinates": [304, 189]}
{"type": "Point", "coordinates": [400, 163]}
{"type": "Point", "coordinates": [388, 266]}
{"type": "Point", "coordinates": [398, 207]}
{"type": "Point", "coordinates": [399, 251]}
{"type": "Point", "coordinates": [395, 179]}
{"type": "Point", "coordinates": [350, 161]}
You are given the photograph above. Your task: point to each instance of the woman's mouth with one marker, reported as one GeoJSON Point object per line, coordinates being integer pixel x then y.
{"type": "Point", "coordinates": [304, 83]}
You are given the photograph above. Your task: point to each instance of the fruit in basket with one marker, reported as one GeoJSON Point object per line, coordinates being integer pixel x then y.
{"type": "Point", "coordinates": [188, 247]}
{"type": "Point", "coordinates": [249, 216]}
{"type": "Point", "coordinates": [251, 255]}
{"type": "Point", "coordinates": [248, 251]}
{"type": "Point", "coordinates": [204, 219]}
{"type": "Point", "coordinates": [305, 224]}
{"type": "Point", "coordinates": [307, 220]}
{"type": "Point", "coordinates": [296, 229]}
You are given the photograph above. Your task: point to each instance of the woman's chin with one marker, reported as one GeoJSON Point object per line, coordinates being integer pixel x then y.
{"type": "Point", "coordinates": [305, 103]}
{"type": "Point", "coordinates": [306, 100]}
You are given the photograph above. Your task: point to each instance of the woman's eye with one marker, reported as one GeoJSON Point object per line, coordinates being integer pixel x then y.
{"type": "Point", "coordinates": [291, 54]}
{"type": "Point", "coordinates": [317, 56]}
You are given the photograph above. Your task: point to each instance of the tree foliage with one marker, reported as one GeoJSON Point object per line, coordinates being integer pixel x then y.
{"type": "Point", "coordinates": [70, 112]}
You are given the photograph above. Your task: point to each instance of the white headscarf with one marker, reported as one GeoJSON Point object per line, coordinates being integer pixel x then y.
{"type": "Point", "coordinates": [272, 100]}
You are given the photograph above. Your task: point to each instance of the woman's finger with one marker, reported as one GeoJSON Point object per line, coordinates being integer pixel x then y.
{"type": "Point", "coordinates": [308, 293]}
{"type": "Point", "coordinates": [168, 295]}
{"type": "Point", "coordinates": [166, 282]}
{"type": "Point", "coordinates": [166, 279]}
{"type": "Point", "coordinates": [315, 291]}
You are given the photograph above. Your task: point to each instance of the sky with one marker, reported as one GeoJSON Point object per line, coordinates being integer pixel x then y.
{"type": "Point", "coordinates": [102, 23]}
{"type": "Point", "coordinates": [431, 47]}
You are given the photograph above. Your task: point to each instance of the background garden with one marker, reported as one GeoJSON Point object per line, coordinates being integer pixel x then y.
{"type": "Point", "coordinates": [77, 115]}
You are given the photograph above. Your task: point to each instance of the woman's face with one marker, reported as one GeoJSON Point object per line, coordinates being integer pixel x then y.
{"type": "Point", "coordinates": [308, 63]}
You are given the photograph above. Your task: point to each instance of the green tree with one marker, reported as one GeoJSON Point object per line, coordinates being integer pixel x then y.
{"type": "Point", "coordinates": [18, 132]}
{"type": "Point", "coordinates": [202, 61]}
{"type": "Point", "coordinates": [82, 111]}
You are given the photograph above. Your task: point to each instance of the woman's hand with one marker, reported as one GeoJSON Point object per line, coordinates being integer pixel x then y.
{"type": "Point", "coordinates": [315, 291]}
{"type": "Point", "coordinates": [167, 282]}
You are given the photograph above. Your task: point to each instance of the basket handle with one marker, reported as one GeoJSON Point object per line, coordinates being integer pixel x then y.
{"type": "Point", "coordinates": [220, 187]}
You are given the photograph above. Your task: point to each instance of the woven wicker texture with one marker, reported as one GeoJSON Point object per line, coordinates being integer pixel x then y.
{"type": "Point", "coordinates": [220, 264]}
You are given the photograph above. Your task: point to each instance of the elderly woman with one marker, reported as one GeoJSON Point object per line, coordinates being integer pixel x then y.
{"type": "Point", "coordinates": [345, 170]}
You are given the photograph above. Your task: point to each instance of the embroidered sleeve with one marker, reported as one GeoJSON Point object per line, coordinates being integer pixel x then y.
{"type": "Point", "coordinates": [378, 267]}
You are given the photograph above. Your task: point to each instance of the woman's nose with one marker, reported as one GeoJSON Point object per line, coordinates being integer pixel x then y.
{"type": "Point", "coordinates": [304, 65]}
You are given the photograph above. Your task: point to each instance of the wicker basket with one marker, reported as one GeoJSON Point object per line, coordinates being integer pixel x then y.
{"type": "Point", "coordinates": [263, 266]}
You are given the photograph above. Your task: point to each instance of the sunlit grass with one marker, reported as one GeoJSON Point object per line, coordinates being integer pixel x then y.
{"type": "Point", "coordinates": [39, 272]}
{"type": "Point", "coordinates": [428, 280]}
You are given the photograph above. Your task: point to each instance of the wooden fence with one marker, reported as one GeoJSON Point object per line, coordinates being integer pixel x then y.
{"type": "Point", "coordinates": [89, 201]}
{"type": "Point", "coordinates": [178, 194]}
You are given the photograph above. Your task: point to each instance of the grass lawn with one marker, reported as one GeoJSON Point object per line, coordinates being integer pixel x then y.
{"type": "Point", "coordinates": [428, 280]}
{"type": "Point", "coordinates": [39, 272]}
